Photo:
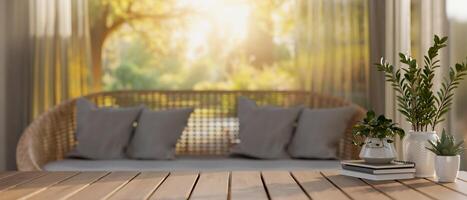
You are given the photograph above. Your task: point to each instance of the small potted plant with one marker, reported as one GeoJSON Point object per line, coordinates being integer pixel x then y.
{"type": "Point", "coordinates": [447, 158]}
{"type": "Point", "coordinates": [376, 136]}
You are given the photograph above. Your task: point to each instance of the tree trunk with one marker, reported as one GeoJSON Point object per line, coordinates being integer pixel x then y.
{"type": "Point", "coordinates": [96, 55]}
{"type": "Point", "coordinates": [99, 32]}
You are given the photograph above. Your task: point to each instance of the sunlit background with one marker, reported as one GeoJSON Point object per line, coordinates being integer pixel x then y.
{"type": "Point", "coordinates": [238, 44]}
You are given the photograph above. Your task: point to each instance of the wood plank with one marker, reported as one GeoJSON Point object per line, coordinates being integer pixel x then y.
{"type": "Point", "coordinates": [459, 185]}
{"type": "Point", "coordinates": [70, 186]}
{"type": "Point", "coordinates": [318, 187]}
{"type": "Point", "coordinates": [7, 174]}
{"type": "Point", "coordinates": [141, 187]}
{"type": "Point", "coordinates": [35, 186]}
{"type": "Point", "coordinates": [354, 187]}
{"type": "Point", "coordinates": [462, 175]}
{"type": "Point", "coordinates": [178, 185]}
{"type": "Point", "coordinates": [211, 185]}
{"type": "Point", "coordinates": [247, 185]}
{"type": "Point", "coordinates": [432, 189]}
{"type": "Point", "coordinates": [19, 178]}
{"type": "Point", "coordinates": [105, 186]}
{"type": "Point", "coordinates": [281, 185]}
{"type": "Point", "coordinates": [397, 190]}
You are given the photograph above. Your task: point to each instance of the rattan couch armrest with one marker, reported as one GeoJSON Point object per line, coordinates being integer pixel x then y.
{"type": "Point", "coordinates": [48, 138]}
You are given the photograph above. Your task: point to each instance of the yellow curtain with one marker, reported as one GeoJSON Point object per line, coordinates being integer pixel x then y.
{"type": "Point", "coordinates": [59, 30]}
{"type": "Point", "coordinates": [333, 47]}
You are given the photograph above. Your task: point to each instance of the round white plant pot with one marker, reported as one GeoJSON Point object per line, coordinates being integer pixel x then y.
{"type": "Point", "coordinates": [377, 151]}
{"type": "Point", "coordinates": [414, 148]}
{"type": "Point", "coordinates": [447, 168]}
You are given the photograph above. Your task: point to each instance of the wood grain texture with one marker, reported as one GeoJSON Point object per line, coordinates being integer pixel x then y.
{"type": "Point", "coordinates": [70, 186]}
{"type": "Point", "coordinates": [211, 186]}
{"type": "Point", "coordinates": [178, 185]}
{"type": "Point", "coordinates": [105, 186]}
{"type": "Point", "coordinates": [317, 186]}
{"type": "Point", "coordinates": [397, 190]}
{"type": "Point", "coordinates": [7, 174]}
{"type": "Point", "coordinates": [462, 175]}
{"type": "Point", "coordinates": [35, 186]}
{"type": "Point", "coordinates": [247, 185]}
{"type": "Point", "coordinates": [459, 185]}
{"type": "Point", "coordinates": [354, 187]}
{"type": "Point", "coordinates": [18, 178]}
{"type": "Point", "coordinates": [220, 185]}
{"type": "Point", "coordinates": [280, 185]}
{"type": "Point", "coordinates": [432, 189]}
{"type": "Point", "coordinates": [141, 187]}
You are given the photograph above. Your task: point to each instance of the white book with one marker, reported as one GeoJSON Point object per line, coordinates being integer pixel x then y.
{"type": "Point", "coordinates": [378, 177]}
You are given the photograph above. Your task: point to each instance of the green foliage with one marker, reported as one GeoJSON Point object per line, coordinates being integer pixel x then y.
{"type": "Point", "coordinates": [417, 101]}
{"type": "Point", "coordinates": [375, 127]}
{"type": "Point", "coordinates": [446, 146]}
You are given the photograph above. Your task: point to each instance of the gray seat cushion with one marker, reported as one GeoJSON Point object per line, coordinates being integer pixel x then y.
{"type": "Point", "coordinates": [190, 164]}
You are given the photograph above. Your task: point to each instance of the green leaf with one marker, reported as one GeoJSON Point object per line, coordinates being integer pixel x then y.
{"type": "Point", "coordinates": [416, 98]}
{"type": "Point", "coordinates": [446, 145]}
{"type": "Point", "coordinates": [436, 39]}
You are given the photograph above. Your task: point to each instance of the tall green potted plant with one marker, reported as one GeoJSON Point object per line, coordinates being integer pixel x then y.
{"type": "Point", "coordinates": [422, 107]}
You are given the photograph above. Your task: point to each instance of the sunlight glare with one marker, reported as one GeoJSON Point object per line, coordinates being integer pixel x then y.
{"type": "Point", "coordinates": [227, 19]}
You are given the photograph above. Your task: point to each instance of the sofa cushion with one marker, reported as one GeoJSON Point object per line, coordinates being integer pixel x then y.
{"type": "Point", "coordinates": [83, 107]}
{"type": "Point", "coordinates": [157, 133]}
{"type": "Point", "coordinates": [319, 132]}
{"type": "Point", "coordinates": [103, 133]}
{"type": "Point", "coordinates": [194, 163]}
{"type": "Point", "coordinates": [264, 131]}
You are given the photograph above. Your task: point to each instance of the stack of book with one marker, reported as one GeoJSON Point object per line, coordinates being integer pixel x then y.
{"type": "Point", "coordinates": [378, 172]}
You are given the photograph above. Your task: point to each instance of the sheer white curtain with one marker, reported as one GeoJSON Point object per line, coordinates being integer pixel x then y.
{"type": "Point", "coordinates": [59, 30]}
{"type": "Point", "coordinates": [47, 60]}
{"type": "Point", "coordinates": [397, 39]}
{"type": "Point", "coordinates": [332, 47]}
{"type": "Point", "coordinates": [457, 29]}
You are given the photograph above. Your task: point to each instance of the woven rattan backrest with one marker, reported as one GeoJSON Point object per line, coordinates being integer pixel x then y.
{"type": "Point", "coordinates": [213, 127]}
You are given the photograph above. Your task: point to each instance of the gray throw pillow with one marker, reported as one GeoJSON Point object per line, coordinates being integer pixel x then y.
{"type": "Point", "coordinates": [319, 132]}
{"type": "Point", "coordinates": [264, 131]}
{"type": "Point", "coordinates": [103, 133]}
{"type": "Point", "coordinates": [83, 107]}
{"type": "Point", "coordinates": [157, 133]}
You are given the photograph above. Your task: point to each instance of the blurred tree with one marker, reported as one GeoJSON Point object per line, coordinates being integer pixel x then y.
{"type": "Point", "coordinates": [107, 16]}
{"type": "Point", "coordinates": [233, 44]}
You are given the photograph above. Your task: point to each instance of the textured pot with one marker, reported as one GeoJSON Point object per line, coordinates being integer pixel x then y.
{"type": "Point", "coordinates": [377, 151]}
{"type": "Point", "coordinates": [414, 147]}
{"type": "Point", "coordinates": [447, 168]}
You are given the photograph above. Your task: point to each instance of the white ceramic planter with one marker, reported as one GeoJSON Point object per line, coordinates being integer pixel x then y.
{"type": "Point", "coordinates": [414, 147]}
{"type": "Point", "coordinates": [377, 151]}
{"type": "Point", "coordinates": [447, 168]}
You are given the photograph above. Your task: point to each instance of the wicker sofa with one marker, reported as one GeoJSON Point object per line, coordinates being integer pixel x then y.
{"type": "Point", "coordinates": [212, 129]}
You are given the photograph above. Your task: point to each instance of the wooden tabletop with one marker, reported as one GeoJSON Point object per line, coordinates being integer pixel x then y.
{"type": "Point", "coordinates": [219, 185]}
